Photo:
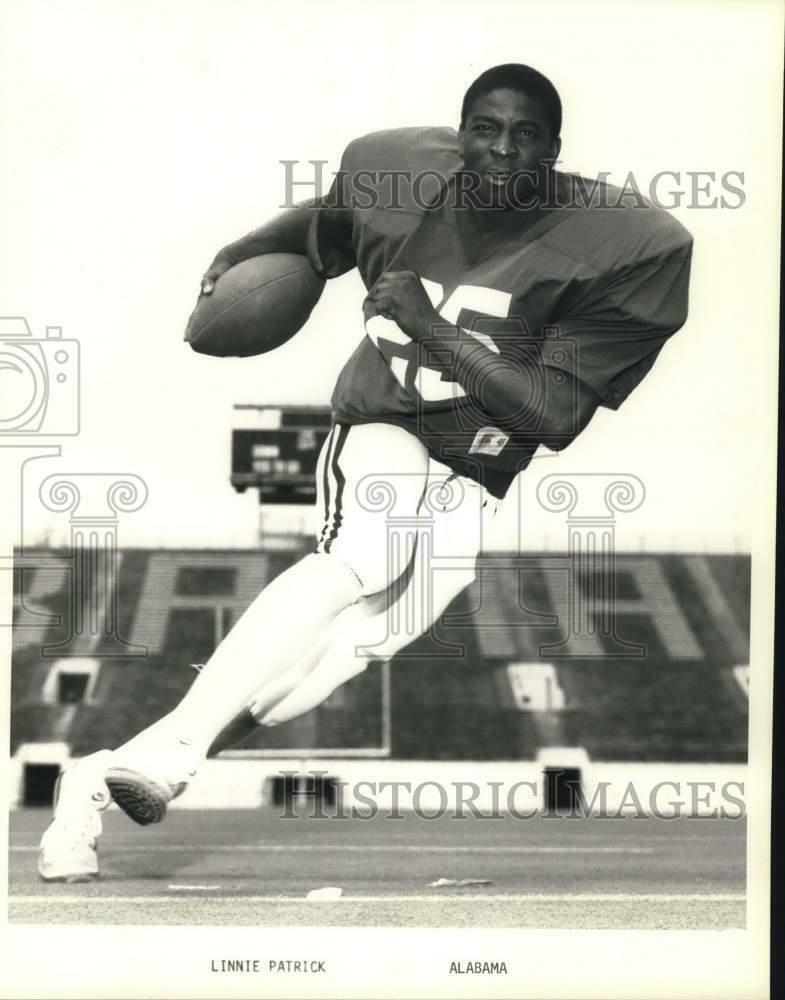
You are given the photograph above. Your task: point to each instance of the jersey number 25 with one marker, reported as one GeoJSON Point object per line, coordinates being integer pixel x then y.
{"type": "Point", "coordinates": [403, 353]}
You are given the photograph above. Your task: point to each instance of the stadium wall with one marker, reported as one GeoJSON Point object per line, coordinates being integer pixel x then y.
{"type": "Point", "coordinates": [436, 788]}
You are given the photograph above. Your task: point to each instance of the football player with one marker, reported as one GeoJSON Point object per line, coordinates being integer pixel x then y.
{"type": "Point", "coordinates": [505, 302]}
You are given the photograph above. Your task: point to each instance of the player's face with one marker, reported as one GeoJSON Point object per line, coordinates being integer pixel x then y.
{"type": "Point", "coordinates": [504, 141]}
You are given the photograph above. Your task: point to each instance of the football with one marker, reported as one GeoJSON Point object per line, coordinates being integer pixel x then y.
{"type": "Point", "coordinates": [256, 306]}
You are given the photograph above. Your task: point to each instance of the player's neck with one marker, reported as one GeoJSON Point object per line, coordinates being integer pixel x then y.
{"type": "Point", "coordinates": [521, 217]}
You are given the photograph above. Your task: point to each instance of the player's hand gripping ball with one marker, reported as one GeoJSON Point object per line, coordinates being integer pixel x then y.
{"type": "Point", "coordinates": [254, 306]}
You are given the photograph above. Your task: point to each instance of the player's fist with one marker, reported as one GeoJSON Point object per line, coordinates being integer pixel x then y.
{"type": "Point", "coordinates": [401, 297]}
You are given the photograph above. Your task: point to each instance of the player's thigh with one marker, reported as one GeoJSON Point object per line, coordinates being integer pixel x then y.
{"type": "Point", "coordinates": [451, 527]}
{"type": "Point", "coordinates": [451, 522]}
{"type": "Point", "coordinates": [370, 481]}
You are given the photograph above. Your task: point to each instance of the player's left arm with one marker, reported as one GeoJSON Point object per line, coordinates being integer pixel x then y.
{"type": "Point", "coordinates": [552, 408]}
{"type": "Point", "coordinates": [617, 327]}
{"type": "Point", "coordinates": [507, 390]}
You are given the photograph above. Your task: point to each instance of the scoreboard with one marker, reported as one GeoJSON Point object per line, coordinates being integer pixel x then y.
{"type": "Point", "coordinates": [275, 450]}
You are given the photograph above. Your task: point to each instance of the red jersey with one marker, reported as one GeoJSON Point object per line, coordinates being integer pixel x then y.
{"type": "Point", "coordinates": [591, 285]}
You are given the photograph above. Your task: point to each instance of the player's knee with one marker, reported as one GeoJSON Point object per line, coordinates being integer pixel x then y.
{"type": "Point", "coordinates": [379, 577]}
{"type": "Point", "coordinates": [335, 568]}
{"type": "Point", "coordinates": [375, 562]}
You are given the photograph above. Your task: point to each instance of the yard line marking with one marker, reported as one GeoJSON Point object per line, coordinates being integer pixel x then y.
{"type": "Point", "coordinates": [193, 888]}
{"type": "Point", "coordinates": [580, 897]}
{"type": "Point", "coordinates": [370, 848]}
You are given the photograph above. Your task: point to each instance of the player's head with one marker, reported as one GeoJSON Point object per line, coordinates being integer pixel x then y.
{"type": "Point", "coordinates": [523, 80]}
{"type": "Point", "coordinates": [510, 125]}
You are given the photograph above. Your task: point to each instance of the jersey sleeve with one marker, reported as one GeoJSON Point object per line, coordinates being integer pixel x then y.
{"type": "Point", "coordinates": [329, 242]}
{"type": "Point", "coordinates": [618, 327]}
{"type": "Point", "coordinates": [384, 181]}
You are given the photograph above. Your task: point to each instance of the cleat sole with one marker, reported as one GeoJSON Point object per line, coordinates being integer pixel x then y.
{"type": "Point", "coordinates": [142, 800]}
{"type": "Point", "coordinates": [71, 879]}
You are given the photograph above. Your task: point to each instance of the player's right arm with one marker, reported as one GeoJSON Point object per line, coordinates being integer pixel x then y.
{"type": "Point", "coordinates": [323, 228]}
{"type": "Point", "coordinates": [312, 228]}
{"type": "Point", "coordinates": [285, 233]}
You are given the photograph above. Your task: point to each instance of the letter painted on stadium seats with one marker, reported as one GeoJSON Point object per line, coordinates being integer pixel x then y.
{"type": "Point", "coordinates": [734, 637]}
{"type": "Point", "coordinates": [33, 613]}
{"type": "Point", "coordinates": [159, 594]}
{"type": "Point", "coordinates": [658, 602]}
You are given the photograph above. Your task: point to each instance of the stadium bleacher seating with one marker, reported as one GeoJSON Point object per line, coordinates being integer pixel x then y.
{"type": "Point", "coordinates": [659, 685]}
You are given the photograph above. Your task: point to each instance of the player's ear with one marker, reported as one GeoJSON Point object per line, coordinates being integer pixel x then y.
{"type": "Point", "coordinates": [555, 148]}
{"type": "Point", "coordinates": [460, 142]}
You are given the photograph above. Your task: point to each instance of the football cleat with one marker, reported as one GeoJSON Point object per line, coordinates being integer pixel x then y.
{"type": "Point", "coordinates": [143, 786]}
{"type": "Point", "coordinates": [68, 850]}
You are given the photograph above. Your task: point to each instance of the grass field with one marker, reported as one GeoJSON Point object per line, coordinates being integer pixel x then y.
{"type": "Point", "coordinates": [252, 867]}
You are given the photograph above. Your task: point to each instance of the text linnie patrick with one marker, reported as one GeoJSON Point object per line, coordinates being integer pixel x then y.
{"type": "Point", "coordinates": [268, 965]}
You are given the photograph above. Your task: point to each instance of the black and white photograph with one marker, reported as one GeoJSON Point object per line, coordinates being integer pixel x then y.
{"type": "Point", "coordinates": [388, 432]}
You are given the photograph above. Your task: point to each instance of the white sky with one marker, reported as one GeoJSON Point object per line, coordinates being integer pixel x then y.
{"type": "Point", "coordinates": [141, 138]}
